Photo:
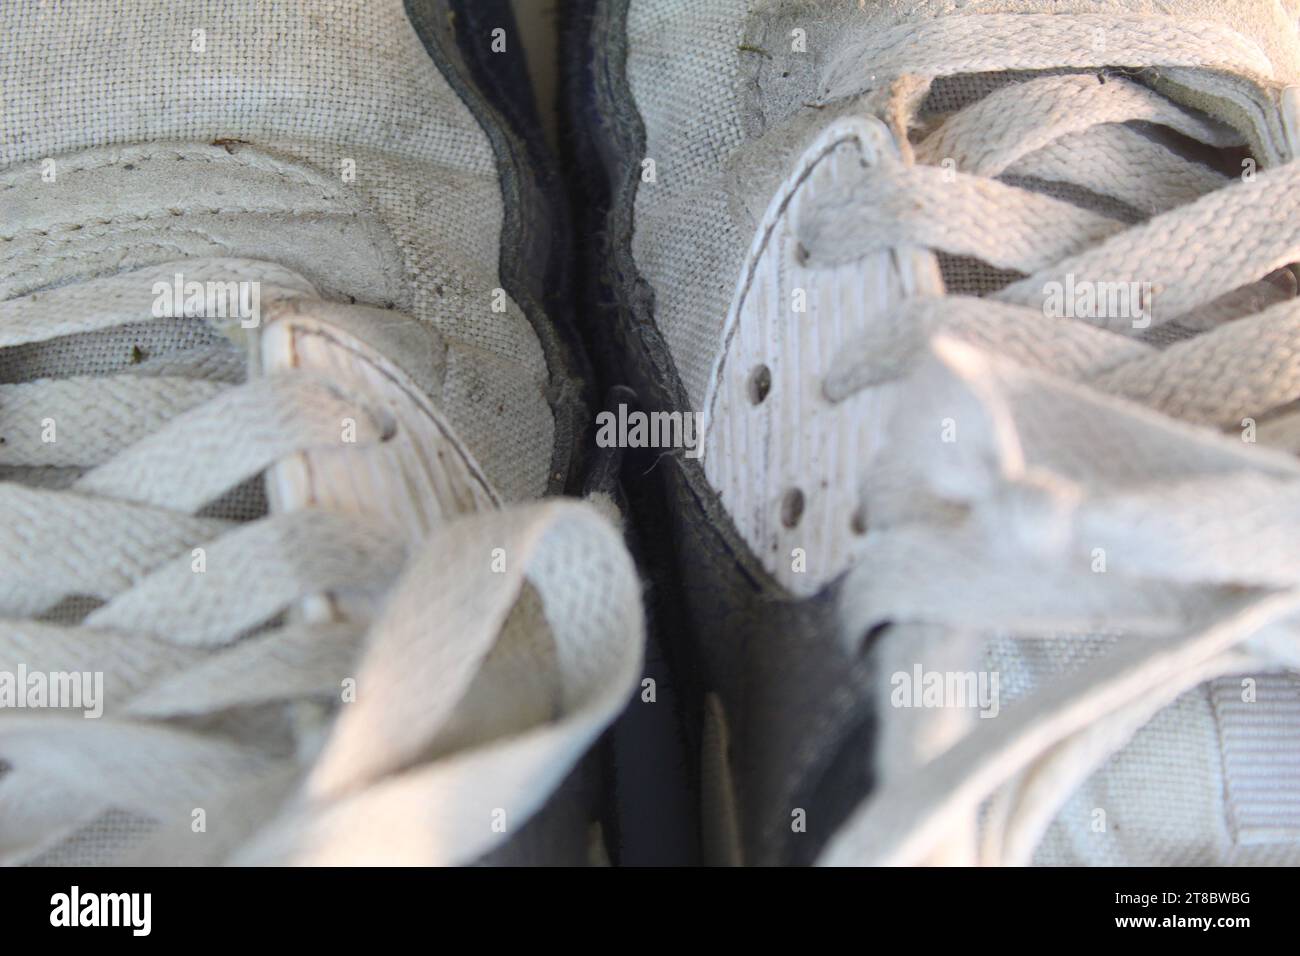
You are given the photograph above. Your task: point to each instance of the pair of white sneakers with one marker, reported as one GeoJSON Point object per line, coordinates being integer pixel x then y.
{"type": "Point", "coordinates": [986, 311]}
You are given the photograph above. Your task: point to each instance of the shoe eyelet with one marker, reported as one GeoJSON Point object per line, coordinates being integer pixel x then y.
{"type": "Point", "coordinates": [760, 383]}
{"type": "Point", "coordinates": [792, 504]}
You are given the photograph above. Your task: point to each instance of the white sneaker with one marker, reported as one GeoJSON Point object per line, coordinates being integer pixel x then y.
{"type": "Point", "coordinates": [277, 388]}
{"type": "Point", "coordinates": [991, 319]}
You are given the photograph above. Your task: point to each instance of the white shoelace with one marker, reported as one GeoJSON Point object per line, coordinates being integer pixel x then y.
{"type": "Point", "coordinates": [200, 715]}
{"type": "Point", "coordinates": [1074, 437]}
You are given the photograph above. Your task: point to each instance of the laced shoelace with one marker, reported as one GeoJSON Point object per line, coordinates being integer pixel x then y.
{"type": "Point", "coordinates": [1075, 435]}
{"type": "Point", "coordinates": [217, 693]}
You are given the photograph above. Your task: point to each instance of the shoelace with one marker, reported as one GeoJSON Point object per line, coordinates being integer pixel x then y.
{"type": "Point", "coordinates": [1075, 436]}
{"type": "Point", "coordinates": [191, 661]}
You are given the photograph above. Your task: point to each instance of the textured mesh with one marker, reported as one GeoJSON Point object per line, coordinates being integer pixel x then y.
{"type": "Point", "coordinates": [1163, 336]}
{"type": "Point", "coordinates": [685, 238]}
{"type": "Point", "coordinates": [245, 502]}
{"type": "Point", "coordinates": [963, 275]}
{"type": "Point", "coordinates": [41, 476]}
{"type": "Point", "coordinates": [120, 349]}
{"type": "Point", "coordinates": [71, 610]}
{"type": "Point", "coordinates": [100, 842]}
{"type": "Point", "coordinates": [948, 94]}
{"type": "Point", "coordinates": [1154, 802]}
{"type": "Point", "coordinates": [1158, 806]}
